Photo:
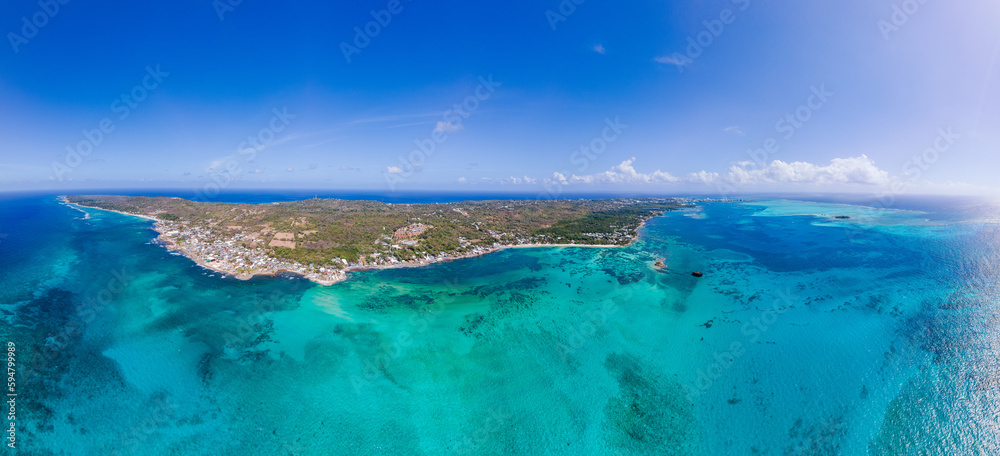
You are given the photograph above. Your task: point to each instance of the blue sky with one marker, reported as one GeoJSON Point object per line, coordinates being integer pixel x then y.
{"type": "Point", "coordinates": [559, 97]}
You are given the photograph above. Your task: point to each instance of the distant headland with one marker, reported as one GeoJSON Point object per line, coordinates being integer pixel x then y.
{"type": "Point", "coordinates": [324, 239]}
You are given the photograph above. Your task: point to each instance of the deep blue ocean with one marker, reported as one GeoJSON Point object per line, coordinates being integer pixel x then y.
{"type": "Point", "coordinates": [808, 335]}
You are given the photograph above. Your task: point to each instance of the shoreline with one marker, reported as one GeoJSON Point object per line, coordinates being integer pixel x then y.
{"type": "Point", "coordinates": [78, 207]}
{"type": "Point", "coordinates": [344, 274]}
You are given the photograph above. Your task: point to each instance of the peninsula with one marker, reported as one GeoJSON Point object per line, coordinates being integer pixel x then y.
{"type": "Point", "coordinates": [324, 239]}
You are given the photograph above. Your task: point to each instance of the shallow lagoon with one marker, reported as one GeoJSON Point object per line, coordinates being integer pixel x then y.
{"type": "Point", "coordinates": [808, 335]}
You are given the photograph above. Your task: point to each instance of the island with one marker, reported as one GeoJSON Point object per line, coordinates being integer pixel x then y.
{"type": "Point", "coordinates": [324, 239]}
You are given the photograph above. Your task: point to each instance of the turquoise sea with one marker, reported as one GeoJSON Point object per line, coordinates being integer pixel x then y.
{"type": "Point", "coordinates": [808, 335]}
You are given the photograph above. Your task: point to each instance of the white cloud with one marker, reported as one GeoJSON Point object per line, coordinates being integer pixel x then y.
{"type": "Point", "coordinates": [462, 180]}
{"type": "Point", "coordinates": [448, 127]}
{"type": "Point", "coordinates": [218, 162]}
{"type": "Point", "coordinates": [394, 170]}
{"type": "Point", "coordinates": [702, 177]}
{"type": "Point", "coordinates": [599, 48]}
{"type": "Point", "coordinates": [853, 170]}
{"type": "Point", "coordinates": [671, 60]}
{"type": "Point", "coordinates": [622, 173]}
{"type": "Point", "coordinates": [736, 130]}
{"type": "Point", "coordinates": [842, 171]}
{"type": "Point", "coordinates": [511, 180]}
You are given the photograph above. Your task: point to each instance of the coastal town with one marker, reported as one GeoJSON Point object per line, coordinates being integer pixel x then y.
{"type": "Point", "coordinates": [320, 240]}
{"type": "Point", "coordinates": [241, 256]}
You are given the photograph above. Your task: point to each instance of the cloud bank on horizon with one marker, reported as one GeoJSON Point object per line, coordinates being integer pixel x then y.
{"type": "Point", "coordinates": [714, 97]}
{"type": "Point", "coordinates": [856, 170]}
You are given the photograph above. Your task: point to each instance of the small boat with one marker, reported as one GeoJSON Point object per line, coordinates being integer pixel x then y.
{"type": "Point", "coordinates": [697, 274]}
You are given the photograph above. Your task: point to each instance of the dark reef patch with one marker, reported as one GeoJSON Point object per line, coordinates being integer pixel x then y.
{"type": "Point", "coordinates": [523, 285]}
{"type": "Point", "coordinates": [822, 437]}
{"type": "Point", "coordinates": [471, 326]}
{"type": "Point", "coordinates": [903, 425]}
{"type": "Point", "coordinates": [386, 298]}
{"type": "Point", "coordinates": [650, 415]}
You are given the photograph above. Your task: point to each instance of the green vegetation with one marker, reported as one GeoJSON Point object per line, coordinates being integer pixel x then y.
{"type": "Point", "coordinates": [581, 230]}
{"type": "Point", "coordinates": [317, 231]}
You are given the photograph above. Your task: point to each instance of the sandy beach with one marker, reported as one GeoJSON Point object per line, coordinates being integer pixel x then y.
{"type": "Point", "coordinates": [215, 267]}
